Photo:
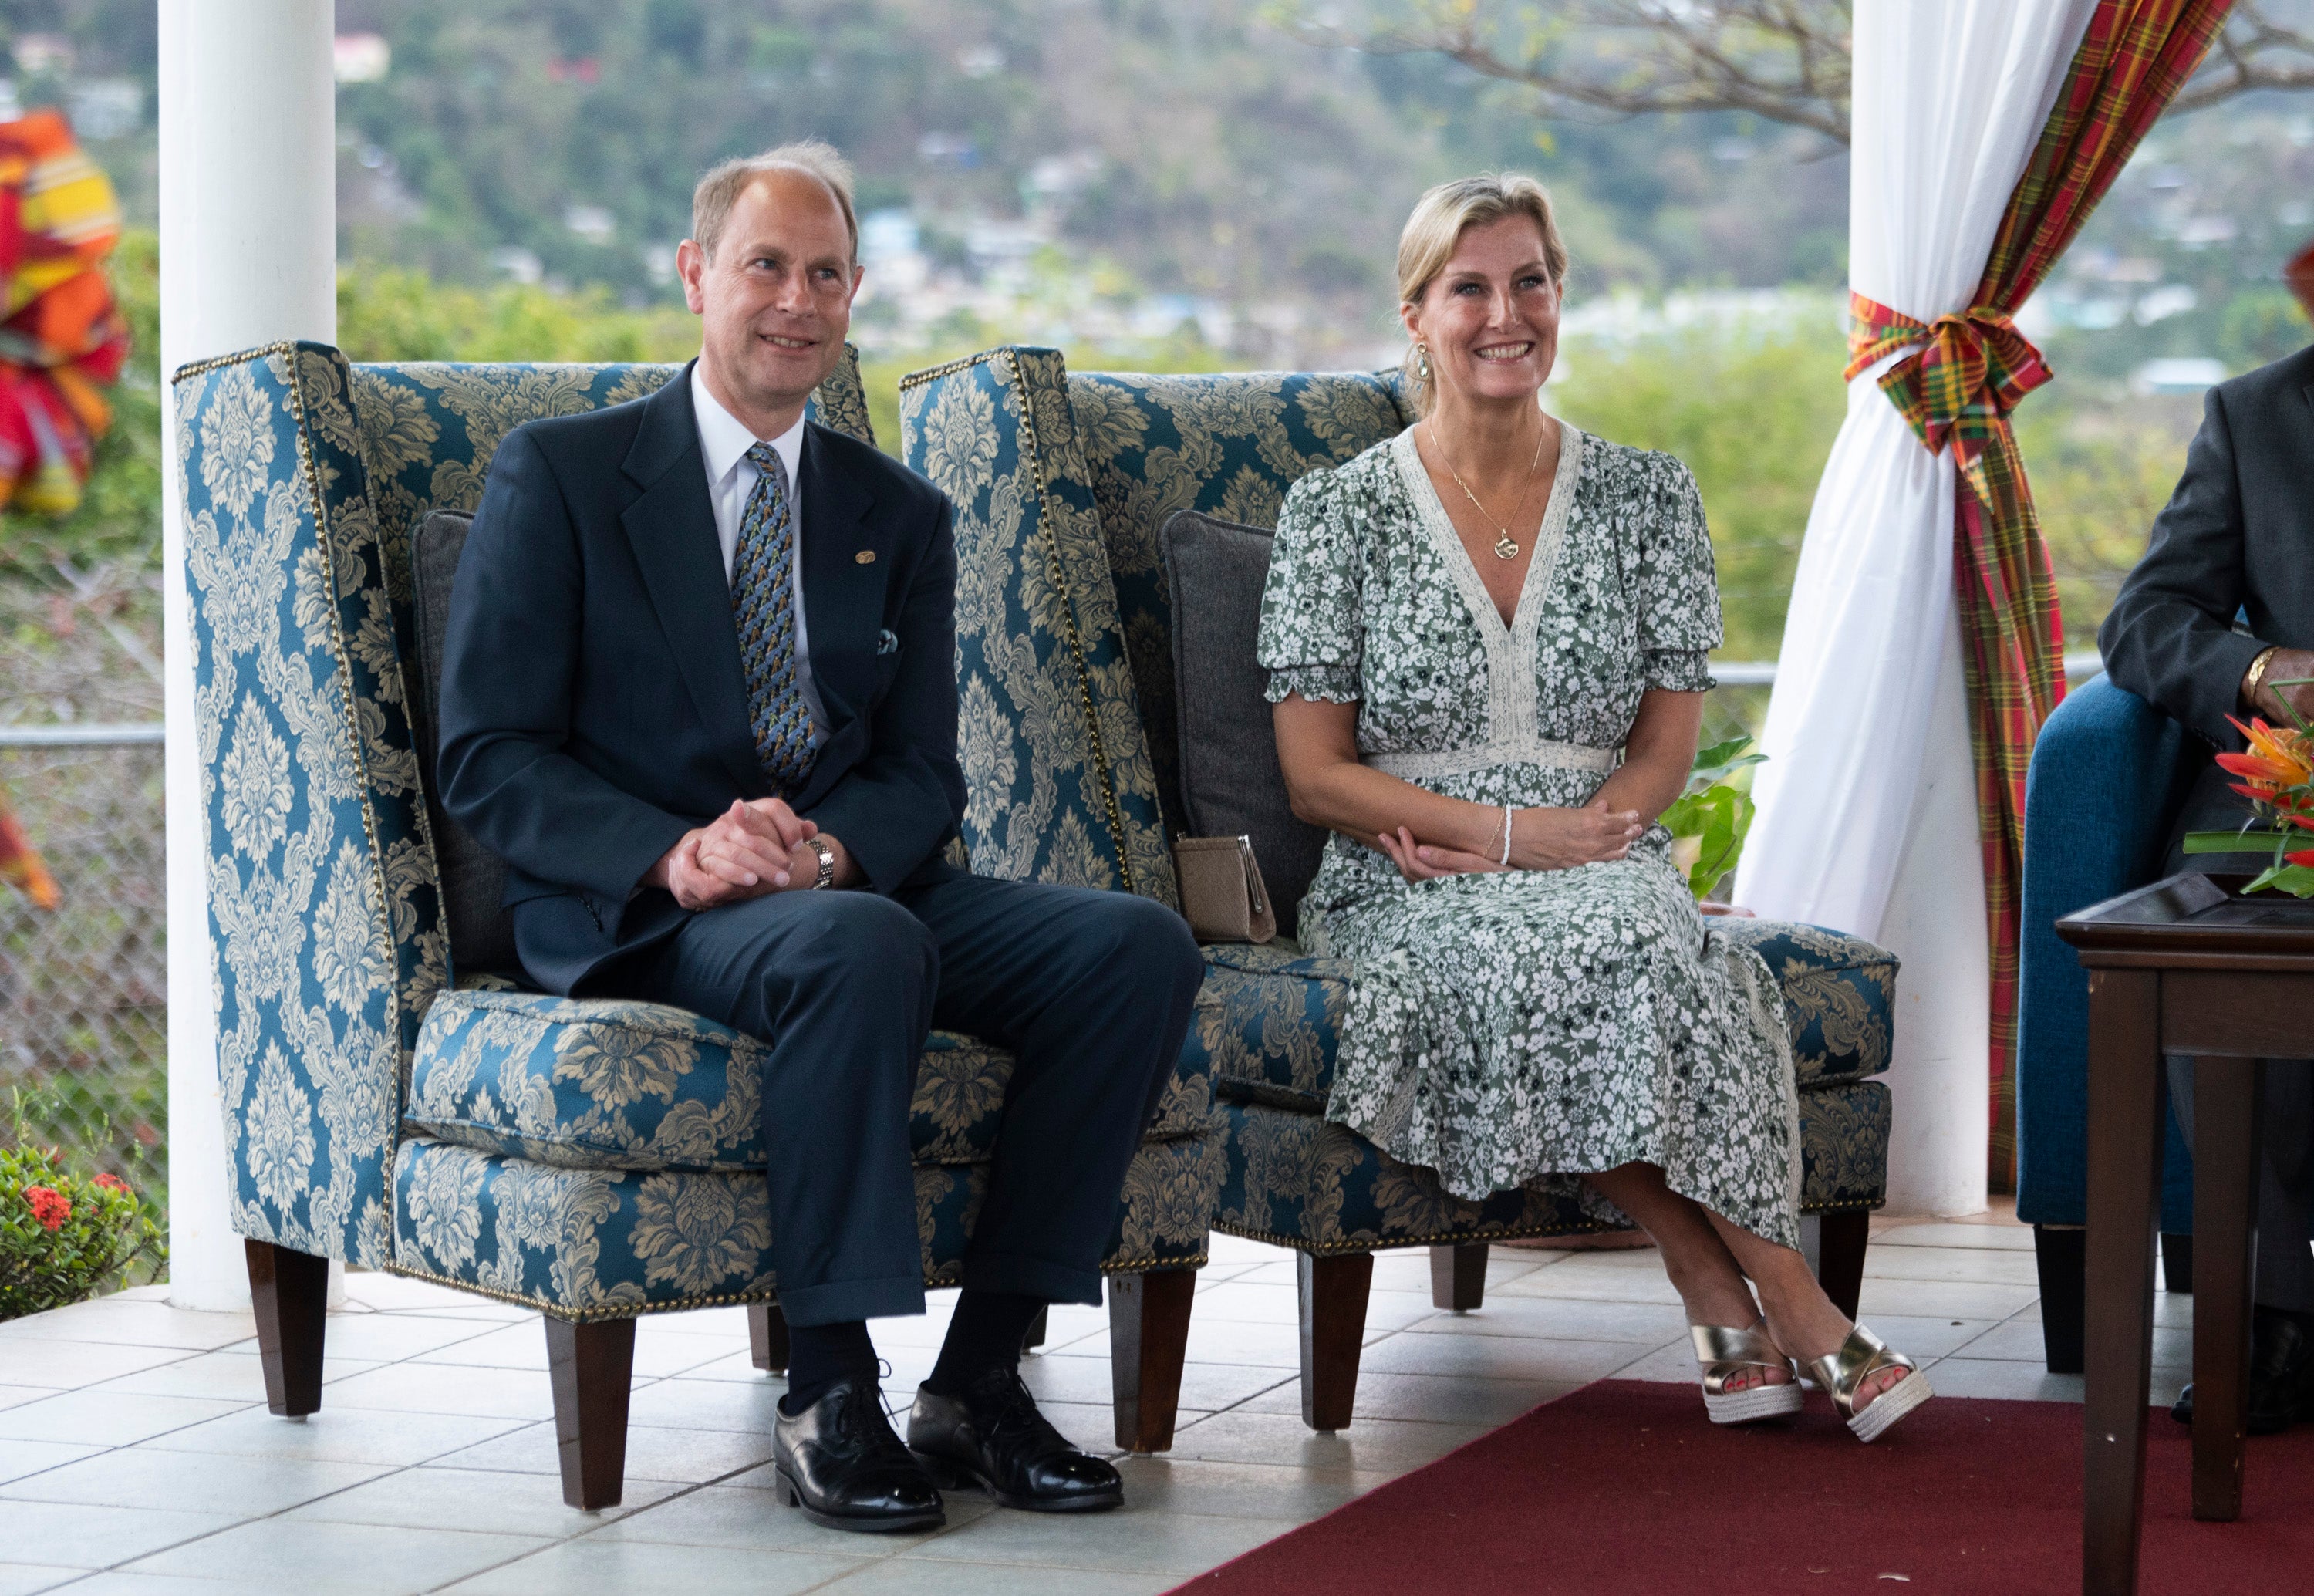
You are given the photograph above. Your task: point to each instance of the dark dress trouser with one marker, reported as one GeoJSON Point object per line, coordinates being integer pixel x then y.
{"type": "Point", "coordinates": [1091, 991]}
{"type": "Point", "coordinates": [2285, 1181]}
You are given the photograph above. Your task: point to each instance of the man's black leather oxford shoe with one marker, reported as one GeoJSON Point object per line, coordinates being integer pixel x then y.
{"type": "Point", "coordinates": [2281, 1374]}
{"type": "Point", "coordinates": [839, 1460]}
{"type": "Point", "coordinates": [993, 1437]}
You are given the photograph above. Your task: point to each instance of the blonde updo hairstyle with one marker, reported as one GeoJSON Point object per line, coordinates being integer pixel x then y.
{"type": "Point", "coordinates": [1441, 217]}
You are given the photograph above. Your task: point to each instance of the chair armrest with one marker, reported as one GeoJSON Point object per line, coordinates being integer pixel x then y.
{"type": "Point", "coordinates": [2108, 774]}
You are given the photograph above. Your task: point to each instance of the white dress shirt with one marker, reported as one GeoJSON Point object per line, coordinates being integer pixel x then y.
{"type": "Point", "coordinates": [723, 443]}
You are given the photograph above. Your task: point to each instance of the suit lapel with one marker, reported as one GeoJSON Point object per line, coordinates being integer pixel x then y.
{"type": "Point", "coordinates": [843, 603]}
{"type": "Point", "coordinates": [672, 528]}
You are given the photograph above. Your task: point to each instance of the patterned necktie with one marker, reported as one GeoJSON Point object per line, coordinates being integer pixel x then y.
{"type": "Point", "coordinates": [763, 600]}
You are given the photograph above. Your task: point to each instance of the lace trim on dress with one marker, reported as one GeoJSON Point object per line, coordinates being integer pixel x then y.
{"type": "Point", "coordinates": [1512, 714]}
{"type": "Point", "coordinates": [1461, 761]}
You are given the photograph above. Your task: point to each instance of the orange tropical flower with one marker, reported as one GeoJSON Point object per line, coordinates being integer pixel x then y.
{"type": "Point", "coordinates": [2277, 760]}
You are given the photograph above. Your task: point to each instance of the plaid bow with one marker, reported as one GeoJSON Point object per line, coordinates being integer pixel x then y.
{"type": "Point", "coordinates": [1972, 369]}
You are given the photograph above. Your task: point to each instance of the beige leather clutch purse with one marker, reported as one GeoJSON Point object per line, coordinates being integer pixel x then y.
{"type": "Point", "coordinates": [1221, 894]}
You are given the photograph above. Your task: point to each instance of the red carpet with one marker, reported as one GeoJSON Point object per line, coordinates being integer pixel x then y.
{"type": "Point", "coordinates": [1625, 1486]}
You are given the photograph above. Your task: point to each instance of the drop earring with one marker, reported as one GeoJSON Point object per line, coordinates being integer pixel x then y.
{"type": "Point", "coordinates": [1422, 361]}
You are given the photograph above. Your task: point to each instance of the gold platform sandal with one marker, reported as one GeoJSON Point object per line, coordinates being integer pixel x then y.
{"type": "Point", "coordinates": [1724, 1352]}
{"type": "Point", "coordinates": [1861, 1356]}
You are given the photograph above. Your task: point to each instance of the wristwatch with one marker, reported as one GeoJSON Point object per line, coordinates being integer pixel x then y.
{"type": "Point", "coordinates": [826, 877]}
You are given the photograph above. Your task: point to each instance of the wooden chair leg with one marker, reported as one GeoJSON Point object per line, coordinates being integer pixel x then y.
{"type": "Point", "coordinates": [1458, 1277]}
{"type": "Point", "coordinates": [290, 1292]}
{"type": "Point", "coordinates": [1840, 1259]}
{"type": "Point", "coordinates": [1333, 1299]}
{"type": "Point", "coordinates": [2178, 1263]}
{"type": "Point", "coordinates": [1036, 1332]}
{"type": "Point", "coordinates": [2060, 1257]}
{"type": "Point", "coordinates": [767, 1337]}
{"type": "Point", "coordinates": [591, 1365]}
{"type": "Point", "coordinates": [1148, 1341]}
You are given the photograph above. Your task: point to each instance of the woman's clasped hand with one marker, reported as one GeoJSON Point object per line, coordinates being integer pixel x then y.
{"type": "Point", "coordinates": [1542, 838]}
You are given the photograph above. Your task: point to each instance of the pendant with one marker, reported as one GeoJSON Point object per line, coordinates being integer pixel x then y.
{"type": "Point", "coordinates": [1504, 548]}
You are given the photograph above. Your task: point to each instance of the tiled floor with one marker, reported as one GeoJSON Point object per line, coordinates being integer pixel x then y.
{"type": "Point", "coordinates": [136, 1456]}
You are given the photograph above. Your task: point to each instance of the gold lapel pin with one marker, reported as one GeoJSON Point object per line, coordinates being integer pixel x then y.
{"type": "Point", "coordinates": [865, 557]}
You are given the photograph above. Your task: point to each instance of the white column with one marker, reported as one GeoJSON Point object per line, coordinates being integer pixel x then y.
{"type": "Point", "coordinates": [247, 143]}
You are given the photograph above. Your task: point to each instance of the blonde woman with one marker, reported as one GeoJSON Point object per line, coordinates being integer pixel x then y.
{"type": "Point", "coordinates": [1487, 642]}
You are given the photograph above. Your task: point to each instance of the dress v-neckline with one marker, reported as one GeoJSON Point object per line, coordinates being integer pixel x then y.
{"type": "Point", "coordinates": [1512, 713]}
{"type": "Point", "coordinates": [1540, 566]}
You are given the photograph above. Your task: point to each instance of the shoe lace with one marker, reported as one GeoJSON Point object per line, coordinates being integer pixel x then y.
{"type": "Point", "coordinates": [1013, 1408]}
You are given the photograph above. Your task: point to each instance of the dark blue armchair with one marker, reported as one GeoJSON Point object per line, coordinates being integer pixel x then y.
{"type": "Point", "coordinates": [2108, 777]}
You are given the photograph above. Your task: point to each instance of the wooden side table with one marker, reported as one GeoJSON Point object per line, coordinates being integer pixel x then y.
{"type": "Point", "coordinates": [2185, 965]}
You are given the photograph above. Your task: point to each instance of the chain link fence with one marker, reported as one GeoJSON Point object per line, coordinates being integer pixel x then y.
{"type": "Point", "coordinates": [84, 989]}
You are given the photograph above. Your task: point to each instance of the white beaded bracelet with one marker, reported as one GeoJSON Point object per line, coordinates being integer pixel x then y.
{"type": "Point", "coordinates": [1505, 859]}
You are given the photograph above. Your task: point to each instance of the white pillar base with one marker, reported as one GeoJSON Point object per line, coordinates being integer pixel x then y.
{"type": "Point", "coordinates": [1935, 922]}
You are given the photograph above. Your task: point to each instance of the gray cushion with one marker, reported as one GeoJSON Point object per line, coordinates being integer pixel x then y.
{"type": "Point", "coordinates": [481, 933]}
{"type": "Point", "coordinates": [1231, 783]}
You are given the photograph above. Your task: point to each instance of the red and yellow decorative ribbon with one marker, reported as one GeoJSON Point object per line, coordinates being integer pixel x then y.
{"type": "Point", "coordinates": [1960, 387]}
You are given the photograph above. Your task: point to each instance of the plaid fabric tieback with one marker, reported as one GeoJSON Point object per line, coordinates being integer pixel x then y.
{"type": "Point", "coordinates": [1967, 373]}
{"type": "Point", "coordinates": [1974, 367]}
{"type": "Point", "coordinates": [762, 602]}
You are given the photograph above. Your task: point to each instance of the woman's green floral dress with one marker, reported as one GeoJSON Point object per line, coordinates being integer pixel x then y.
{"type": "Point", "coordinates": [1510, 1029]}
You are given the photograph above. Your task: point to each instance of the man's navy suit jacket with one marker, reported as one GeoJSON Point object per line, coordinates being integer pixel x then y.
{"type": "Point", "coordinates": [2237, 539]}
{"type": "Point", "coordinates": [594, 708]}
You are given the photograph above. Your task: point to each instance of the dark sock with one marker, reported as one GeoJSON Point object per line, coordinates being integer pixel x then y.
{"type": "Point", "coordinates": [818, 1356]}
{"type": "Point", "coordinates": [985, 1334]}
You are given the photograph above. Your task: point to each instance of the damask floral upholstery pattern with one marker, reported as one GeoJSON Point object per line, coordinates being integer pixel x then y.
{"type": "Point", "coordinates": [1014, 439]}
{"type": "Point", "coordinates": [324, 918]}
{"type": "Point", "coordinates": [606, 1243]}
{"type": "Point", "coordinates": [1057, 772]}
{"type": "Point", "coordinates": [1229, 445]}
{"type": "Point", "coordinates": [1297, 1180]}
{"type": "Point", "coordinates": [602, 1083]}
{"type": "Point", "coordinates": [584, 1157]}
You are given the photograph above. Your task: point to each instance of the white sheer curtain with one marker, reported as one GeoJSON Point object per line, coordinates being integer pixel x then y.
{"type": "Point", "coordinates": [1950, 97]}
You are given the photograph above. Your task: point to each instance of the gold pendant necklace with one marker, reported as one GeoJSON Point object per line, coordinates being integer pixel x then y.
{"type": "Point", "coordinates": [1507, 547]}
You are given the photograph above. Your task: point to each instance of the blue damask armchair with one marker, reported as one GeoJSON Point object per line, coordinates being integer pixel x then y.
{"type": "Point", "coordinates": [2109, 773]}
{"type": "Point", "coordinates": [391, 1097]}
{"type": "Point", "coordinates": [1064, 621]}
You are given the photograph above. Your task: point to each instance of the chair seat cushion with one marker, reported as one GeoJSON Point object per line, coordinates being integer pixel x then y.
{"type": "Point", "coordinates": [593, 1243]}
{"type": "Point", "coordinates": [1300, 1180]}
{"type": "Point", "coordinates": [1268, 1018]}
{"type": "Point", "coordinates": [607, 1083]}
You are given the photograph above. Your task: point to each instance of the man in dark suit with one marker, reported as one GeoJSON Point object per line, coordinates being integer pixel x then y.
{"type": "Point", "coordinates": [2217, 621]}
{"type": "Point", "coordinates": [699, 693]}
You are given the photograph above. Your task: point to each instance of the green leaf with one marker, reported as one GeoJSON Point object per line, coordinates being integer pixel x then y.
{"type": "Point", "coordinates": [2240, 841]}
{"type": "Point", "coordinates": [2297, 880]}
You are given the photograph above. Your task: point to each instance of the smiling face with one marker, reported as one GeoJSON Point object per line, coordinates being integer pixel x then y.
{"type": "Point", "coordinates": [774, 299]}
{"type": "Point", "coordinates": [1490, 317]}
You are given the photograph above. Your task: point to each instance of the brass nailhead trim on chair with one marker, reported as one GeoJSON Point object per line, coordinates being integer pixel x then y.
{"type": "Point", "coordinates": [581, 1316]}
{"type": "Point", "coordinates": [1034, 459]}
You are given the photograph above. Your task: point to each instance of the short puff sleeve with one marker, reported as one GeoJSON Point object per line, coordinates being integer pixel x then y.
{"type": "Point", "coordinates": [1677, 590]}
{"type": "Point", "coordinates": [1312, 620]}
